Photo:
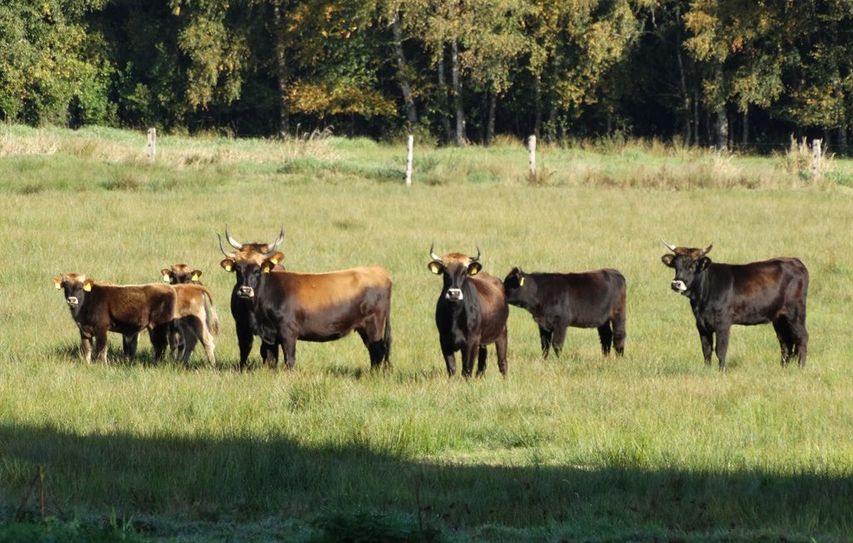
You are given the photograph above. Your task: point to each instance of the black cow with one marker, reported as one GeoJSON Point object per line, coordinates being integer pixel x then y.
{"type": "Point", "coordinates": [471, 312]}
{"type": "Point", "coordinates": [756, 293]}
{"type": "Point", "coordinates": [242, 308]}
{"type": "Point", "coordinates": [594, 299]}
{"type": "Point", "coordinates": [319, 307]}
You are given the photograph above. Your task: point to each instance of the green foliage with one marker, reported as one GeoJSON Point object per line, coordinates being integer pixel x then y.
{"type": "Point", "coordinates": [66, 532]}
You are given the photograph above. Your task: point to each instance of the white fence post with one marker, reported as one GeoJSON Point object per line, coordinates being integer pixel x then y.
{"type": "Point", "coordinates": [531, 158]}
{"type": "Point", "coordinates": [816, 159]}
{"type": "Point", "coordinates": [152, 144]}
{"type": "Point", "coordinates": [410, 148]}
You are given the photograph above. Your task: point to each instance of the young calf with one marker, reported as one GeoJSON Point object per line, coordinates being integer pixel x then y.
{"type": "Point", "coordinates": [98, 308]}
{"type": "Point", "coordinates": [182, 340]}
{"type": "Point", "coordinates": [471, 312]}
{"type": "Point", "coordinates": [594, 299]}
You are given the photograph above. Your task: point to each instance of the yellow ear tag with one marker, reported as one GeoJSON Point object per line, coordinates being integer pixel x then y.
{"type": "Point", "coordinates": [87, 287]}
{"type": "Point", "coordinates": [166, 277]}
{"type": "Point", "coordinates": [521, 282]}
{"type": "Point", "coordinates": [435, 268]}
{"type": "Point", "coordinates": [194, 277]}
{"type": "Point", "coordinates": [228, 267]}
{"type": "Point", "coordinates": [265, 269]}
{"type": "Point", "coordinates": [57, 285]}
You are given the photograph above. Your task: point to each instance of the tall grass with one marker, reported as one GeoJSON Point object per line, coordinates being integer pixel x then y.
{"type": "Point", "coordinates": [650, 446]}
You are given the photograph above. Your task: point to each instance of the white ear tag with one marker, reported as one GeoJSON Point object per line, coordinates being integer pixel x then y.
{"type": "Point", "coordinates": [521, 282]}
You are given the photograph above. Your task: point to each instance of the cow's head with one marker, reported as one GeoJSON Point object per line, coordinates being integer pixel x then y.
{"type": "Point", "coordinates": [246, 259]}
{"type": "Point", "coordinates": [515, 286]}
{"type": "Point", "coordinates": [249, 274]}
{"type": "Point", "coordinates": [455, 268]}
{"type": "Point", "coordinates": [689, 263]}
{"type": "Point", "coordinates": [180, 273]}
{"type": "Point", "coordinates": [75, 286]}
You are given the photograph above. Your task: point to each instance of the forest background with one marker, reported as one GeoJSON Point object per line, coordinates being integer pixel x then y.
{"type": "Point", "coordinates": [700, 72]}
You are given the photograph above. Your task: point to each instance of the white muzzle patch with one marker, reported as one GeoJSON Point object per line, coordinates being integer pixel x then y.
{"type": "Point", "coordinates": [454, 295]}
{"type": "Point", "coordinates": [678, 286]}
{"type": "Point", "coordinates": [72, 301]}
{"type": "Point", "coordinates": [246, 292]}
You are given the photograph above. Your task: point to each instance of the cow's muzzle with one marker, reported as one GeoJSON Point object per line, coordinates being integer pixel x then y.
{"type": "Point", "coordinates": [246, 292]}
{"type": "Point", "coordinates": [72, 301]}
{"type": "Point", "coordinates": [454, 295]}
{"type": "Point", "coordinates": [678, 286]}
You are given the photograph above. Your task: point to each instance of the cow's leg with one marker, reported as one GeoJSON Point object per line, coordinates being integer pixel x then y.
{"type": "Point", "coordinates": [544, 341]}
{"type": "Point", "coordinates": [500, 346]}
{"type": "Point", "coordinates": [707, 339]}
{"type": "Point", "coordinates": [605, 335]}
{"type": "Point", "coordinates": [619, 333]}
{"type": "Point", "coordinates": [800, 339]}
{"type": "Point", "coordinates": [188, 338]}
{"type": "Point", "coordinates": [101, 345]}
{"type": "Point", "coordinates": [469, 353]}
{"type": "Point", "coordinates": [288, 344]}
{"type": "Point", "coordinates": [159, 336]}
{"type": "Point", "coordinates": [129, 343]}
{"type": "Point", "coordinates": [786, 341]}
{"type": "Point", "coordinates": [482, 355]}
{"type": "Point", "coordinates": [245, 338]}
{"type": "Point", "coordinates": [559, 338]}
{"type": "Point", "coordinates": [201, 330]}
{"type": "Point", "coordinates": [86, 348]}
{"type": "Point", "coordinates": [722, 345]}
{"type": "Point", "coordinates": [375, 348]}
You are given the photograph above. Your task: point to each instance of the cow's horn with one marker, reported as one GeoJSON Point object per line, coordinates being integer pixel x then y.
{"type": "Point", "coordinates": [278, 240]}
{"type": "Point", "coordinates": [476, 258]}
{"type": "Point", "coordinates": [234, 243]}
{"type": "Point", "coordinates": [668, 246]}
{"type": "Point", "coordinates": [221, 248]}
{"type": "Point", "coordinates": [432, 254]}
{"type": "Point", "coordinates": [708, 250]}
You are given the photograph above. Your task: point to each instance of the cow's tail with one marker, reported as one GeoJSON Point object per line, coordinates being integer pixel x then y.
{"type": "Point", "coordinates": [386, 341]}
{"type": "Point", "coordinates": [210, 313]}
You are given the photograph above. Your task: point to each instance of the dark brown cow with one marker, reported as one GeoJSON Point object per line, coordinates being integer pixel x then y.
{"type": "Point", "coordinates": [242, 308]}
{"type": "Point", "coordinates": [291, 306]}
{"type": "Point", "coordinates": [593, 299]}
{"type": "Point", "coordinates": [181, 342]}
{"type": "Point", "coordinates": [471, 312]}
{"type": "Point", "coordinates": [759, 292]}
{"type": "Point", "coordinates": [98, 308]}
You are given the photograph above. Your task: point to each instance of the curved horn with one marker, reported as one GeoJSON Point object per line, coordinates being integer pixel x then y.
{"type": "Point", "coordinates": [668, 246]}
{"type": "Point", "coordinates": [221, 248]}
{"type": "Point", "coordinates": [274, 245]}
{"type": "Point", "coordinates": [476, 258]}
{"type": "Point", "coordinates": [708, 250]}
{"type": "Point", "coordinates": [432, 254]}
{"type": "Point", "coordinates": [234, 243]}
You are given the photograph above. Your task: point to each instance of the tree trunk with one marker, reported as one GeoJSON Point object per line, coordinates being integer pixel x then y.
{"type": "Point", "coordinates": [402, 73]}
{"type": "Point", "coordinates": [537, 120]}
{"type": "Point", "coordinates": [682, 77]}
{"type": "Point", "coordinates": [745, 140]}
{"type": "Point", "coordinates": [442, 89]}
{"type": "Point", "coordinates": [696, 114]}
{"type": "Point", "coordinates": [842, 140]}
{"type": "Point", "coordinates": [721, 121]}
{"type": "Point", "coordinates": [490, 122]}
{"type": "Point", "coordinates": [281, 68]}
{"type": "Point", "coordinates": [457, 94]}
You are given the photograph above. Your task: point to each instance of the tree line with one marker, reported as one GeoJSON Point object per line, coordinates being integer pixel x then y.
{"type": "Point", "coordinates": [699, 72]}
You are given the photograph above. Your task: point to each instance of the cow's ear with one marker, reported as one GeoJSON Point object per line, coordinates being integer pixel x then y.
{"type": "Point", "coordinates": [668, 260]}
{"type": "Point", "coordinates": [267, 265]}
{"type": "Point", "coordinates": [435, 267]}
{"type": "Point", "coordinates": [57, 282]}
{"type": "Point", "coordinates": [474, 268]}
{"type": "Point", "coordinates": [276, 258]}
{"type": "Point", "coordinates": [704, 262]}
{"type": "Point", "coordinates": [87, 285]}
{"type": "Point", "coordinates": [227, 264]}
{"type": "Point", "coordinates": [196, 274]}
{"type": "Point", "coordinates": [167, 274]}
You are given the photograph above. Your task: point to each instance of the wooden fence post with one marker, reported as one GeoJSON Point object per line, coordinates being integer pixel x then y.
{"type": "Point", "coordinates": [410, 148]}
{"type": "Point", "coordinates": [816, 159]}
{"type": "Point", "coordinates": [152, 144]}
{"type": "Point", "coordinates": [531, 157]}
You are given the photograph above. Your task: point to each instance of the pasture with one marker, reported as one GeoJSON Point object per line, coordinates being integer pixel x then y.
{"type": "Point", "coordinates": [650, 446]}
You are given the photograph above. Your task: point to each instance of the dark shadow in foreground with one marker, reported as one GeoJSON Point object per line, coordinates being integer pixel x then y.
{"type": "Point", "coordinates": [238, 479]}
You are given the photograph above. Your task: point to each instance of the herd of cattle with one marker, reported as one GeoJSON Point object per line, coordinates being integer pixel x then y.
{"type": "Point", "coordinates": [282, 307]}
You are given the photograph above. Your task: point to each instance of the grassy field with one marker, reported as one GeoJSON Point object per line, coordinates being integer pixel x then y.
{"type": "Point", "coordinates": [650, 446]}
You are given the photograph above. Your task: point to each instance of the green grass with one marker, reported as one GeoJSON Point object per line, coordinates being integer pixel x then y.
{"type": "Point", "coordinates": [652, 446]}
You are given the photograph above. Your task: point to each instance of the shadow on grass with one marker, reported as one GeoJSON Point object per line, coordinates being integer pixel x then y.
{"type": "Point", "coordinates": [240, 479]}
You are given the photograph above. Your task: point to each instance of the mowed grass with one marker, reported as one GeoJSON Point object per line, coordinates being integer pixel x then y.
{"type": "Point", "coordinates": [652, 445]}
